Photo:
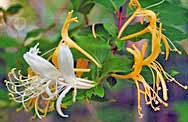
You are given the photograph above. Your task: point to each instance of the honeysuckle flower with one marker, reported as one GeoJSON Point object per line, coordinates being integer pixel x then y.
{"type": "Point", "coordinates": [150, 17]}
{"type": "Point", "coordinates": [159, 75]}
{"type": "Point", "coordinates": [69, 42]}
{"type": "Point", "coordinates": [66, 63]}
{"type": "Point", "coordinates": [151, 94]}
{"type": "Point", "coordinates": [45, 82]}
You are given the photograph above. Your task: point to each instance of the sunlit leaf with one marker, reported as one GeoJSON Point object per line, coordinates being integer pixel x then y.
{"type": "Point", "coordinates": [117, 64]}
{"type": "Point", "coordinates": [99, 91]}
{"type": "Point", "coordinates": [111, 29]}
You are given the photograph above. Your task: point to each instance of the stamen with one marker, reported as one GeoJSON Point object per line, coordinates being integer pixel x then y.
{"type": "Point", "coordinates": [48, 52]}
{"type": "Point", "coordinates": [138, 99]}
{"type": "Point", "coordinates": [170, 78]}
{"type": "Point", "coordinates": [175, 49]}
{"type": "Point", "coordinates": [93, 31]}
{"type": "Point", "coordinates": [36, 108]}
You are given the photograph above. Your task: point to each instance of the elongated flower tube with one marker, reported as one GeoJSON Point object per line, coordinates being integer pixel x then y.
{"type": "Point", "coordinates": [69, 42]}
{"type": "Point", "coordinates": [46, 83]}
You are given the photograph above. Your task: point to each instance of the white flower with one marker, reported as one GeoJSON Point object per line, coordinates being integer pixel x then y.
{"type": "Point", "coordinates": [24, 88]}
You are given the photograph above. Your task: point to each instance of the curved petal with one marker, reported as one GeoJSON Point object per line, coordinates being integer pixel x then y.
{"type": "Point", "coordinates": [58, 103]}
{"type": "Point", "coordinates": [66, 63]}
{"type": "Point", "coordinates": [41, 65]}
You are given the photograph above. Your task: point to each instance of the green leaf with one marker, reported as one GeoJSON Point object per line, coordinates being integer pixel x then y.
{"type": "Point", "coordinates": [14, 9]}
{"type": "Point", "coordinates": [167, 17]}
{"type": "Point", "coordinates": [6, 42]}
{"type": "Point", "coordinates": [34, 33]}
{"type": "Point", "coordinates": [174, 34]}
{"type": "Point", "coordinates": [119, 44]}
{"type": "Point", "coordinates": [116, 64]}
{"type": "Point", "coordinates": [99, 91]}
{"type": "Point", "coordinates": [111, 29]}
{"type": "Point", "coordinates": [86, 6]}
{"type": "Point", "coordinates": [9, 59]}
{"type": "Point", "coordinates": [112, 5]}
{"type": "Point", "coordinates": [3, 95]}
{"type": "Point", "coordinates": [173, 72]}
{"type": "Point", "coordinates": [76, 4]}
{"type": "Point", "coordinates": [98, 48]}
{"type": "Point", "coordinates": [99, 14]}
{"type": "Point", "coordinates": [89, 93]}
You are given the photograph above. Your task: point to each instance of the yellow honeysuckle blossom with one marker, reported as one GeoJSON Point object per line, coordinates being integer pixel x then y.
{"type": "Point", "coordinates": [151, 18]}
{"type": "Point", "coordinates": [45, 83]}
{"type": "Point", "coordinates": [159, 75]}
{"type": "Point", "coordinates": [69, 42]}
{"type": "Point", "coordinates": [151, 94]}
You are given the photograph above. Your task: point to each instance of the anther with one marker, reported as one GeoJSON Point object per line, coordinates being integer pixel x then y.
{"type": "Point", "coordinates": [165, 104]}
{"type": "Point", "coordinates": [185, 87]}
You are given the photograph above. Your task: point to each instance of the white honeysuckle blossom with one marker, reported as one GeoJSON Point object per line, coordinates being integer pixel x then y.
{"type": "Point", "coordinates": [23, 88]}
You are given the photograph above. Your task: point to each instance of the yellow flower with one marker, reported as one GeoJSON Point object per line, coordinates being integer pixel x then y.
{"type": "Point", "coordinates": [159, 74]}
{"type": "Point", "coordinates": [151, 18]}
{"type": "Point", "coordinates": [151, 94]}
{"type": "Point", "coordinates": [69, 42]}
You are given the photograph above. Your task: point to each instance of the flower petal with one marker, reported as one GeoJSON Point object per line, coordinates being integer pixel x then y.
{"type": "Point", "coordinates": [66, 63]}
{"type": "Point", "coordinates": [58, 103]}
{"type": "Point", "coordinates": [82, 85]}
{"type": "Point", "coordinates": [41, 65]}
